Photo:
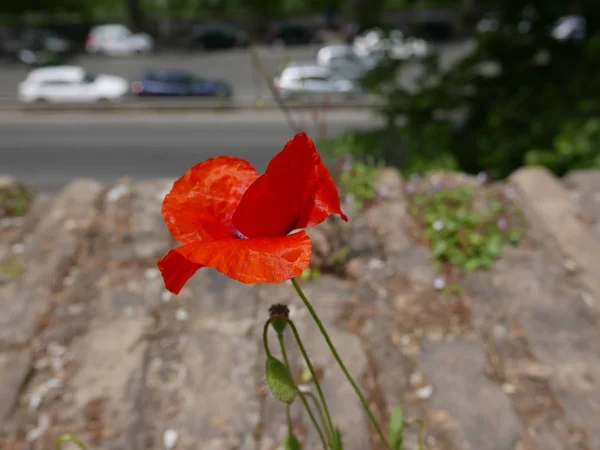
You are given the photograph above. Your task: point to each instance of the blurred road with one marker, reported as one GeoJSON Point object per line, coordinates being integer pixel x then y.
{"type": "Point", "coordinates": [48, 152]}
{"type": "Point", "coordinates": [234, 66]}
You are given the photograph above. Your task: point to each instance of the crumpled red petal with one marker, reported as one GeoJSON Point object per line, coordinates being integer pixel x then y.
{"type": "Point", "coordinates": [176, 270]}
{"type": "Point", "coordinates": [202, 202]}
{"type": "Point", "coordinates": [296, 191]}
{"type": "Point", "coordinates": [259, 260]}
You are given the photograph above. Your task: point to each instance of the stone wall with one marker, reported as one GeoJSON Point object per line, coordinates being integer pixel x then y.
{"type": "Point", "coordinates": [92, 344]}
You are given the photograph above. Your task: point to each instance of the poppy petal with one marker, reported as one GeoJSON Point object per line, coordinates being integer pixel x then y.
{"type": "Point", "coordinates": [202, 202]}
{"type": "Point", "coordinates": [260, 260]}
{"type": "Point", "coordinates": [296, 191]}
{"type": "Point", "coordinates": [176, 270]}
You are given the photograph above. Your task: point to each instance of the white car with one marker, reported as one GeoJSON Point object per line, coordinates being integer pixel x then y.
{"type": "Point", "coordinates": [70, 84]}
{"type": "Point", "coordinates": [117, 40]}
{"type": "Point", "coordinates": [313, 81]}
{"type": "Point", "coordinates": [345, 61]}
{"type": "Point", "coordinates": [397, 45]}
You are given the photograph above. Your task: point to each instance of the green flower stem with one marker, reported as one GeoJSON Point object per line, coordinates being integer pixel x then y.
{"type": "Point", "coordinates": [302, 398]}
{"type": "Point", "coordinates": [314, 377]}
{"type": "Point", "coordinates": [288, 414]}
{"type": "Point", "coordinates": [421, 424]}
{"type": "Point", "coordinates": [265, 340]}
{"type": "Point", "coordinates": [340, 363]}
{"type": "Point", "coordinates": [274, 92]}
{"type": "Point", "coordinates": [319, 410]}
{"type": "Point", "coordinates": [69, 438]}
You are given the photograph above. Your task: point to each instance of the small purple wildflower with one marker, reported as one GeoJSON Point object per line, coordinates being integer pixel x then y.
{"type": "Point", "coordinates": [483, 177]}
{"type": "Point", "coordinates": [410, 188]}
{"type": "Point", "coordinates": [436, 181]}
{"type": "Point", "coordinates": [502, 223]}
{"type": "Point", "coordinates": [439, 283]}
{"type": "Point", "coordinates": [383, 191]}
{"type": "Point", "coordinates": [438, 225]}
{"type": "Point", "coordinates": [509, 191]}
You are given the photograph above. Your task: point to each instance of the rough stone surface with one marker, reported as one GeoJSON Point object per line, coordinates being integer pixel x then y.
{"type": "Point", "coordinates": [563, 218]}
{"type": "Point", "coordinates": [479, 413]}
{"type": "Point", "coordinates": [92, 344]}
{"type": "Point", "coordinates": [14, 368]}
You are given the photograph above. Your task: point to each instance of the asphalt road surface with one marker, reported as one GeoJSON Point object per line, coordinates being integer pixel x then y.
{"type": "Point", "coordinates": [48, 152]}
{"type": "Point", "coordinates": [234, 66]}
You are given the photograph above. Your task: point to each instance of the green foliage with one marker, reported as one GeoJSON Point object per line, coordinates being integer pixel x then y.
{"type": "Point", "coordinates": [576, 147]}
{"type": "Point", "coordinates": [359, 181]}
{"type": "Point", "coordinates": [459, 232]}
{"type": "Point", "coordinates": [310, 273]}
{"type": "Point", "coordinates": [389, 146]}
{"type": "Point", "coordinates": [397, 428]}
{"type": "Point", "coordinates": [14, 200]}
{"type": "Point", "coordinates": [498, 120]}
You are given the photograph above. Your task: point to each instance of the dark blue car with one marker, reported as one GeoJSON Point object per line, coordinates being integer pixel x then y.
{"type": "Point", "coordinates": [175, 82]}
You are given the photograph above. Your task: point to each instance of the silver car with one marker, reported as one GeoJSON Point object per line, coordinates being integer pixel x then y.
{"type": "Point", "coordinates": [345, 61]}
{"type": "Point", "coordinates": [313, 81]}
{"type": "Point", "coordinates": [397, 44]}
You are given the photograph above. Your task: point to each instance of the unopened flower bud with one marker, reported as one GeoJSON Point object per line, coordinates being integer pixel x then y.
{"type": "Point", "coordinates": [291, 443]}
{"type": "Point", "coordinates": [279, 315]}
{"type": "Point", "coordinates": [280, 381]}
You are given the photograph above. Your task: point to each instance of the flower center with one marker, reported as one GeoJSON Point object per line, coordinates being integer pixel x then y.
{"type": "Point", "coordinates": [237, 234]}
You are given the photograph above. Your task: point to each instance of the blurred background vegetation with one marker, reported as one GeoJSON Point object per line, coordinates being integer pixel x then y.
{"type": "Point", "coordinates": [520, 97]}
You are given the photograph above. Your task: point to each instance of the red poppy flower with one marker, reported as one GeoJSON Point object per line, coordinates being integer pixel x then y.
{"type": "Point", "coordinates": [241, 224]}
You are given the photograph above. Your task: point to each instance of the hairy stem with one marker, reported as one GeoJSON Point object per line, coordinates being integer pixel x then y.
{"type": "Point", "coordinates": [334, 351]}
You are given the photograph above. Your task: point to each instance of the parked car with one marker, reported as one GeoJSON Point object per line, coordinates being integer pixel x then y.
{"type": "Point", "coordinates": [175, 82]}
{"type": "Point", "coordinates": [309, 80]}
{"type": "Point", "coordinates": [70, 84]}
{"type": "Point", "coordinates": [215, 36]}
{"type": "Point", "coordinates": [290, 34]}
{"type": "Point", "coordinates": [345, 61]}
{"type": "Point", "coordinates": [116, 39]}
{"type": "Point", "coordinates": [37, 46]}
{"type": "Point", "coordinates": [397, 44]}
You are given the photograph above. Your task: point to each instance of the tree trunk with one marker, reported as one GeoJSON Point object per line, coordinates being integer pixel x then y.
{"type": "Point", "coordinates": [135, 16]}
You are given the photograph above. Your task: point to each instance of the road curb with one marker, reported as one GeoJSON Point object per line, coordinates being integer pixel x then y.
{"type": "Point", "coordinates": [178, 107]}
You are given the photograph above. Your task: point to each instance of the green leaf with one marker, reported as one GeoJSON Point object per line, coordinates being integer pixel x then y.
{"type": "Point", "coordinates": [291, 443]}
{"type": "Point", "coordinates": [514, 236]}
{"type": "Point", "coordinates": [471, 265]}
{"type": "Point", "coordinates": [476, 239]}
{"type": "Point", "coordinates": [496, 207]}
{"type": "Point", "coordinates": [494, 246]}
{"type": "Point", "coordinates": [440, 248]}
{"type": "Point", "coordinates": [486, 262]}
{"type": "Point", "coordinates": [397, 428]}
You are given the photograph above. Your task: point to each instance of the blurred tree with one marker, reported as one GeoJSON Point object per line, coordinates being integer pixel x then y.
{"type": "Point", "coordinates": [264, 8]}
{"type": "Point", "coordinates": [134, 14]}
{"type": "Point", "coordinates": [514, 99]}
{"type": "Point", "coordinates": [368, 13]}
